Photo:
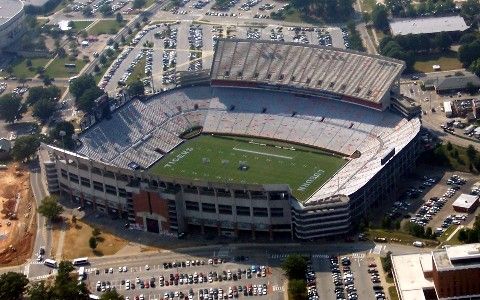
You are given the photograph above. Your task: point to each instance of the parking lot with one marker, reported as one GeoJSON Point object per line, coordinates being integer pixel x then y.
{"type": "Point", "coordinates": [209, 279]}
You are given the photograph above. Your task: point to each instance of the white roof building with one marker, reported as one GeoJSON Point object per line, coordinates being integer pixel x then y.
{"type": "Point", "coordinates": [428, 25]}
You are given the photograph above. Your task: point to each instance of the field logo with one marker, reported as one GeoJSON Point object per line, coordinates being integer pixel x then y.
{"type": "Point", "coordinates": [178, 158]}
{"type": "Point", "coordinates": [310, 180]}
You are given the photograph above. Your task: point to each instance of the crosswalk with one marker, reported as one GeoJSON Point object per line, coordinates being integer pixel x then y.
{"type": "Point", "coordinates": [277, 288]}
{"type": "Point", "coordinates": [377, 249]}
{"type": "Point", "coordinates": [358, 255]}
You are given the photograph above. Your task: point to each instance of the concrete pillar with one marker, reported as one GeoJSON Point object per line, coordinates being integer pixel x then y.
{"type": "Point", "coordinates": [82, 200]}
{"type": "Point", "coordinates": [253, 232]}
{"type": "Point", "coordinates": [202, 228]}
{"type": "Point", "coordinates": [94, 200]}
{"type": "Point", "coordinates": [270, 232]}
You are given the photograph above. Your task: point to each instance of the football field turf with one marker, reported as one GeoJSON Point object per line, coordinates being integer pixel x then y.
{"type": "Point", "coordinates": [253, 161]}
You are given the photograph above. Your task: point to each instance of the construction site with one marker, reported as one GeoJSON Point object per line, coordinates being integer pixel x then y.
{"type": "Point", "coordinates": [18, 218]}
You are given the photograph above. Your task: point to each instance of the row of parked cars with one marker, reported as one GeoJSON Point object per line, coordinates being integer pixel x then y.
{"type": "Point", "coordinates": [324, 38]}
{"type": "Point", "coordinates": [375, 277]}
{"type": "Point", "coordinates": [3, 87]}
{"type": "Point", "coordinates": [346, 39]}
{"type": "Point", "coordinates": [253, 33]}
{"type": "Point", "coordinates": [276, 34]}
{"type": "Point", "coordinates": [312, 292]}
{"type": "Point", "coordinates": [344, 282]}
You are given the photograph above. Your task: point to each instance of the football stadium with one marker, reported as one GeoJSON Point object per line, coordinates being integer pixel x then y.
{"type": "Point", "coordinates": [275, 140]}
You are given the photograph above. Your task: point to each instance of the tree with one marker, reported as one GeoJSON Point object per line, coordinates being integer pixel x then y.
{"type": "Point", "coordinates": [297, 289]}
{"type": "Point", "coordinates": [119, 17]}
{"type": "Point", "coordinates": [92, 242]}
{"type": "Point", "coordinates": [429, 233]}
{"type": "Point", "coordinates": [136, 88]}
{"type": "Point", "coordinates": [380, 17]}
{"type": "Point", "coordinates": [106, 10]}
{"type": "Point", "coordinates": [44, 109]}
{"type": "Point", "coordinates": [462, 235]}
{"type": "Point", "coordinates": [294, 266]}
{"type": "Point", "coordinates": [49, 208]}
{"type": "Point", "coordinates": [47, 80]}
{"type": "Point", "coordinates": [387, 263]}
{"type": "Point", "coordinates": [11, 108]}
{"type": "Point", "coordinates": [471, 152]}
{"type": "Point", "coordinates": [96, 232]}
{"type": "Point", "coordinates": [138, 3]}
{"type": "Point", "coordinates": [96, 69]}
{"type": "Point", "coordinates": [87, 11]}
{"type": "Point", "coordinates": [40, 291]}
{"type": "Point", "coordinates": [111, 295]}
{"type": "Point", "coordinates": [86, 102]}
{"type": "Point", "coordinates": [28, 63]}
{"type": "Point", "coordinates": [79, 85]}
{"type": "Point", "coordinates": [61, 52]}
{"type": "Point", "coordinates": [66, 286]}
{"type": "Point", "coordinates": [470, 9]}
{"type": "Point", "coordinates": [12, 285]}
{"type": "Point", "coordinates": [449, 146]}
{"type": "Point", "coordinates": [102, 59]}
{"type": "Point", "coordinates": [386, 222]}
{"type": "Point", "coordinates": [24, 147]}
{"type": "Point", "coordinates": [443, 40]}
{"type": "Point", "coordinates": [475, 67]}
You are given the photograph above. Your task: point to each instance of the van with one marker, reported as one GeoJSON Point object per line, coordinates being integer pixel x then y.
{"type": "Point", "coordinates": [418, 244]}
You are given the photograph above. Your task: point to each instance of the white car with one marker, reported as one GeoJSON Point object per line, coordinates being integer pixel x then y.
{"type": "Point", "coordinates": [147, 267]}
{"type": "Point", "coordinates": [124, 268]}
{"type": "Point", "coordinates": [110, 270]}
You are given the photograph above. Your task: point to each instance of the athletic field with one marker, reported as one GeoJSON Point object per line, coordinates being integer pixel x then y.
{"type": "Point", "coordinates": [253, 161]}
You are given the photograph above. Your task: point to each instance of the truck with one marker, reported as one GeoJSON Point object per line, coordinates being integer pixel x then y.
{"type": "Point", "coordinates": [418, 244]}
{"type": "Point", "coordinates": [447, 107]}
{"type": "Point", "coordinates": [469, 129]}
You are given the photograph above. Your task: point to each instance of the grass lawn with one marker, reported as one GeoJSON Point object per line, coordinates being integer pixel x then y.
{"type": "Point", "coordinates": [20, 69]}
{"type": "Point", "coordinates": [149, 2]}
{"type": "Point", "coordinates": [447, 233]}
{"type": "Point", "coordinates": [216, 158]}
{"type": "Point", "coordinates": [454, 240]}
{"type": "Point", "coordinates": [368, 5]}
{"type": "Point", "coordinates": [398, 236]}
{"type": "Point", "coordinates": [447, 61]}
{"type": "Point", "coordinates": [76, 242]}
{"type": "Point", "coordinates": [106, 27]}
{"type": "Point", "coordinates": [392, 291]}
{"type": "Point", "coordinates": [138, 72]}
{"type": "Point", "coordinates": [57, 68]}
{"type": "Point", "coordinates": [81, 25]}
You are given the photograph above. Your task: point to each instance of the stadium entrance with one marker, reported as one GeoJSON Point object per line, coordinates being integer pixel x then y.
{"type": "Point", "coordinates": [152, 225]}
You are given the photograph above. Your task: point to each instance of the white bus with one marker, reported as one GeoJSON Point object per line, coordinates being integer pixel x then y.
{"type": "Point", "coordinates": [80, 261]}
{"type": "Point", "coordinates": [50, 263]}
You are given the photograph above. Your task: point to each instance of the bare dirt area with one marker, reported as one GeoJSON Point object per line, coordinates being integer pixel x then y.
{"type": "Point", "coordinates": [17, 222]}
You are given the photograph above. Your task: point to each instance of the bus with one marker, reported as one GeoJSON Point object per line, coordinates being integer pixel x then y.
{"type": "Point", "coordinates": [80, 261]}
{"type": "Point", "coordinates": [81, 273]}
{"type": "Point", "coordinates": [50, 263]}
{"type": "Point", "coordinates": [72, 79]}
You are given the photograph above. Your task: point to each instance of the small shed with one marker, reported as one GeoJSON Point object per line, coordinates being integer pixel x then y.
{"type": "Point", "coordinates": [465, 203]}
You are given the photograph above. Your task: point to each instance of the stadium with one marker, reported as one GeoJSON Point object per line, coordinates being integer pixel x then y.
{"type": "Point", "coordinates": [12, 18]}
{"type": "Point", "coordinates": [279, 140]}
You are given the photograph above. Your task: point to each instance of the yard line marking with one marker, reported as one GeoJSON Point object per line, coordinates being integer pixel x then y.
{"type": "Point", "coordinates": [262, 153]}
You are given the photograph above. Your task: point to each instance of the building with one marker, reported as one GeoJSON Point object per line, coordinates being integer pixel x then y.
{"type": "Point", "coordinates": [450, 273]}
{"type": "Point", "coordinates": [430, 25]}
{"type": "Point", "coordinates": [111, 170]}
{"type": "Point", "coordinates": [12, 17]}
{"type": "Point", "coordinates": [452, 83]}
{"type": "Point", "coordinates": [465, 203]}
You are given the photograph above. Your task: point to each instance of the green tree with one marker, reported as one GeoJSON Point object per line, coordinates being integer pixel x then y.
{"type": "Point", "coordinates": [87, 11]}
{"type": "Point", "coordinates": [86, 102]}
{"type": "Point", "coordinates": [386, 222]}
{"type": "Point", "coordinates": [61, 52]}
{"type": "Point", "coordinates": [294, 266]}
{"type": "Point", "coordinates": [470, 9]}
{"type": "Point", "coordinates": [39, 92]}
{"type": "Point", "coordinates": [462, 235]}
{"type": "Point", "coordinates": [43, 109]}
{"type": "Point", "coordinates": [297, 289]}
{"type": "Point", "coordinates": [47, 80]}
{"type": "Point", "coordinates": [387, 263]}
{"type": "Point", "coordinates": [106, 10]}
{"type": "Point", "coordinates": [40, 291]}
{"type": "Point", "coordinates": [11, 108]}
{"type": "Point", "coordinates": [12, 285]}
{"type": "Point", "coordinates": [111, 295]}
{"type": "Point", "coordinates": [449, 146]}
{"type": "Point", "coordinates": [66, 286]}
{"type": "Point", "coordinates": [28, 63]}
{"type": "Point", "coordinates": [96, 69]}
{"type": "Point", "coordinates": [119, 17]}
{"type": "Point", "coordinates": [136, 88]}
{"type": "Point", "coordinates": [475, 67]}
{"type": "Point", "coordinates": [139, 3]}
{"type": "Point", "coordinates": [49, 208]}
{"type": "Point", "coordinates": [443, 41]}
{"type": "Point", "coordinates": [24, 147]}
{"type": "Point", "coordinates": [429, 233]}
{"type": "Point", "coordinates": [92, 242]}
{"type": "Point", "coordinates": [471, 152]}
{"type": "Point", "coordinates": [380, 17]}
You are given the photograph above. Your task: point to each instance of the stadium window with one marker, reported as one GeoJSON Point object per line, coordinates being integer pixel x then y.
{"type": "Point", "coordinates": [269, 76]}
{"type": "Point", "coordinates": [225, 209]}
{"type": "Point", "coordinates": [85, 181]}
{"type": "Point", "coordinates": [319, 82]}
{"type": "Point", "coordinates": [122, 193]}
{"type": "Point", "coordinates": [243, 210]}
{"type": "Point", "coordinates": [331, 85]}
{"type": "Point", "coordinates": [109, 174]}
{"type": "Point", "coordinates": [97, 171]}
{"type": "Point", "coordinates": [276, 212]}
{"type": "Point", "coordinates": [98, 186]}
{"type": "Point", "coordinates": [255, 75]}
{"type": "Point", "coordinates": [190, 205]}
{"type": "Point", "coordinates": [240, 194]}
{"type": "Point", "coordinates": [308, 80]}
{"type": "Point", "coordinates": [109, 189]}
{"type": "Point", "coordinates": [64, 173]}
{"type": "Point", "coordinates": [209, 208]}
{"type": "Point", "coordinates": [73, 178]}
{"type": "Point", "coordinates": [260, 212]}
{"type": "Point", "coordinates": [83, 167]}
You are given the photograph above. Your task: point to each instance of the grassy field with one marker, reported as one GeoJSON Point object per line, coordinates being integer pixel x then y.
{"type": "Point", "coordinates": [447, 61]}
{"type": "Point", "coordinates": [392, 291]}
{"type": "Point", "coordinates": [57, 68]}
{"type": "Point", "coordinates": [138, 72]}
{"type": "Point", "coordinates": [398, 236]}
{"type": "Point", "coordinates": [106, 27]}
{"type": "Point", "coordinates": [20, 69]}
{"type": "Point", "coordinates": [81, 25]}
{"type": "Point", "coordinates": [368, 5]}
{"type": "Point", "coordinates": [447, 233]}
{"type": "Point", "coordinates": [76, 242]}
{"type": "Point", "coordinates": [215, 158]}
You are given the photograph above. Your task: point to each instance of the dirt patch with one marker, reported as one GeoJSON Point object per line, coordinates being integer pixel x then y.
{"type": "Point", "coordinates": [18, 218]}
{"type": "Point", "coordinates": [76, 241]}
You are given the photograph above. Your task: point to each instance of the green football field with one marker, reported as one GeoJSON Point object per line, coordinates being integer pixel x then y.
{"type": "Point", "coordinates": [253, 161]}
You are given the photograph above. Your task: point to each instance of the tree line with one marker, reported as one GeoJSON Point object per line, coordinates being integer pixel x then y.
{"type": "Point", "coordinates": [329, 10]}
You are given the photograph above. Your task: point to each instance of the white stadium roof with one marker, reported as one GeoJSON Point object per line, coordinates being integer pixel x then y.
{"type": "Point", "coordinates": [428, 25]}
{"type": "Point", "coordinates": [317, 68]}
{"type": "Point", "coordinates": [8, 9]}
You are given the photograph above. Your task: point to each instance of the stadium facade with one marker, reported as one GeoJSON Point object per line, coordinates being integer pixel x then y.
{"type": "Point", "coordinates": [12, 18]}
{"type": "Point", "coordinates": [336, 100]}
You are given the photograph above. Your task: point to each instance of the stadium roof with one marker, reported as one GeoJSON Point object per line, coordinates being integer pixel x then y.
{"type": "Point", "coordinates": [354, 74]}
{"type": "Point", "coordinates": [428, 25]}
{"type": "Point", "coordinates": [8, 9]}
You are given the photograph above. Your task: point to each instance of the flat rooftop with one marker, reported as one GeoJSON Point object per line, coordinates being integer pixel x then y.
{"type": "Point", "coordinates": [316, 68]}
{"type": "Point", "coordinates": [428, 25]}
{"type": "Point", "coordinates": [465, 201]}
{"type": "Point", "coordinates": [457, 257]}
{"type": "Point", "coordinates": [409, 275]}
{"type": "Point", "coordinates": [8, 9]}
